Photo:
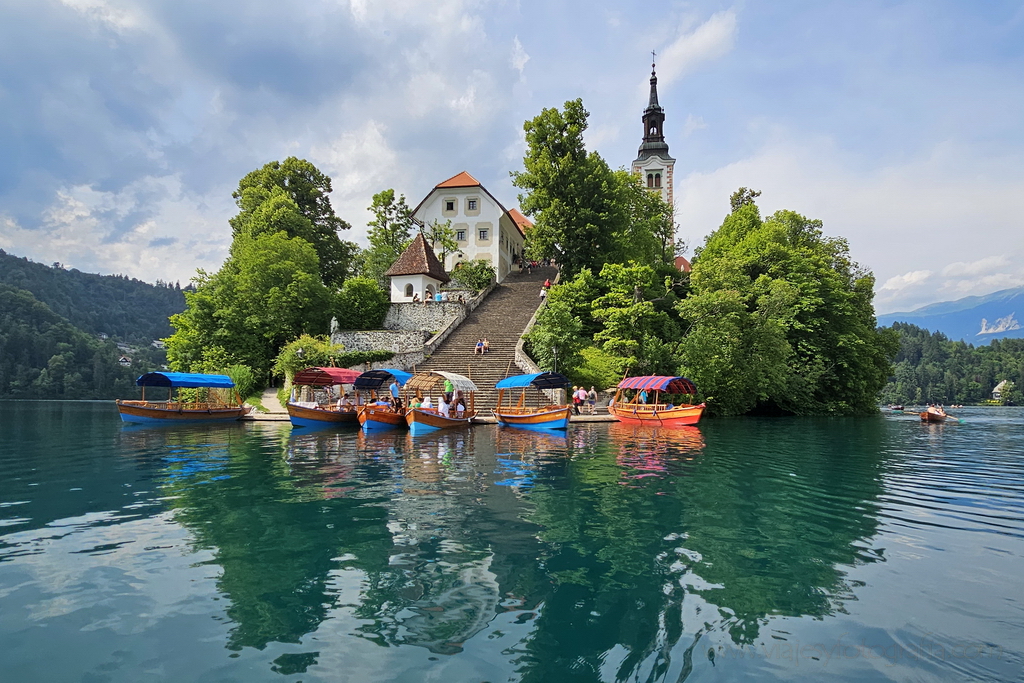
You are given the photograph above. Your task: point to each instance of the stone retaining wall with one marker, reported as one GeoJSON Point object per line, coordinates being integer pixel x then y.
{"type": "Point", "coordinates": [410, 346]}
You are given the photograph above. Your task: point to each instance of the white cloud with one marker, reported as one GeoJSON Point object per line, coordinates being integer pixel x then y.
{"type": "Point", "coordinates": [711, 40]}
{"type": "Point", "coordinates": [900, 282]}
{"type": "Point", "coordinates": [980, 267]}
{"type": "Point", "coordinates": [152, 229]}
{"type": "Point", "coordinates": [519, 57]}
{"type": "Point", "coordinates": [693, 124]}
{"type": "Point", "coordinates": [899, 219]}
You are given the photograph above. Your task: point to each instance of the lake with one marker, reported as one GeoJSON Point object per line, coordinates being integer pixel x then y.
{"type": "Point", "coordinates": [869, 549]}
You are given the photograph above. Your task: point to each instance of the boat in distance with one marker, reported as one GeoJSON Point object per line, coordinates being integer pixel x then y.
{"type": "Point", "coordinates": [631, 404]}
{"type": "Point", "coordinates": [173, 410]}
{"type": "Point", "coordinates": [321, 414]}
{"type": "Point", "coordinates": [422, 419]}
{"type": "Point", "coordinates": [539, 417]}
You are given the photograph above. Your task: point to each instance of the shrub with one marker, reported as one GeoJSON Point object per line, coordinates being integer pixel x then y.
{"type": "Point", "coordinates": [475, 275]}
{"type": "Point", "coordinates": [361, 304]}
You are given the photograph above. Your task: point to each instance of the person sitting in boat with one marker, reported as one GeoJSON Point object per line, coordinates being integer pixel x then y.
{"type": "Point", "coordinates": [642, 397]}
{"type": "Point", "coordinates": [343, 402]}
{"type": "Point", "coordinates": [416, 402]}
{"type": "Point", "coordinates": [442, 408]}
{"type": "Point", "coordinates": [427, 405]}
{"type": "Point", "coordinates": [460, 408]}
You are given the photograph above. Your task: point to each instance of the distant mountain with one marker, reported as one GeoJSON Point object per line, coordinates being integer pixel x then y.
{"type": "Point", "coordinates": [974, 319]}
{"type": "Point", "coordinates": [114, 305]}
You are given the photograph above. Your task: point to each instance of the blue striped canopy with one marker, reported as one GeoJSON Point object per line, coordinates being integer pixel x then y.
{"type": "Point", "coordinates": [184, 379]}
{"type": "Point", "coordinates": [375, 379]}
{"type": "Point", "coordinates": [673, 385]}
{"type": "Point", "coordinates": [541, 380]}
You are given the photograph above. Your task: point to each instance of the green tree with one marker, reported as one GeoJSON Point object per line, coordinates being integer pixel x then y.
{"type": "Point", "coordinates": [633, 328]}
{"type": "Point", "coordinates": [262, 199]}
{"type": "Point", "coordinates": [441, 237]}
{"type": "Point", "coordinates": [267, 293]}
{"type": "Point", "coordinates": [646, 235]}
{"type": "Point", "coordinates": [361, 304]}
{"type": "Point", "coordinates": [474, 274]}
{"type": "Point", "coordinates": [788, 310]}
{"type": "Point", "coordinates": [570, 193]}
{"type": "Point", "coordinates": [389, 235]}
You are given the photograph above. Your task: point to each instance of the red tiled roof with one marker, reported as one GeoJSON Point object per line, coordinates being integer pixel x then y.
{"type": "Point", "coordinates": [682, 265]}
{"type": "Point", "coordinates": [461, 180]}
{"type": "Point", "coordinates": [418, 259]}
{"type": "Point", "coordinates": [522, 221]}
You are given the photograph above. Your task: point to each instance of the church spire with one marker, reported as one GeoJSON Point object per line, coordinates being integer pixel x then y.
{"type": "Point", "coordinates": [654, 122]}
{"type": "Point", "coordinates": [653, 103]}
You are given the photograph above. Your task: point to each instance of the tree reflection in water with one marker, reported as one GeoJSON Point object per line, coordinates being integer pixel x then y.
{"type": "Point", "coordinates": [624, 572]}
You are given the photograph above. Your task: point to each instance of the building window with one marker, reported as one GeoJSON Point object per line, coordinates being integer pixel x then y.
{"type": "Point", "coordinates": [471, 204]}
{"type": "Point", "coordinates": [657, 180]}
{"type": "Point", "coordinates": [449, 205]}
{"type": "Point", "coordinates": [650, 180]}
{"type": "Point", "coordinates": [460, 235]}
{"type": "Point", "coordinates": [408, 290]}
{"type": "Point", "coordinates": [483, 234]}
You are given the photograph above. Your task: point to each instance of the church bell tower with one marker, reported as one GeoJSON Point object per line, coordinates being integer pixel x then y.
{"type": "Point", "coordinates": [653, 163]}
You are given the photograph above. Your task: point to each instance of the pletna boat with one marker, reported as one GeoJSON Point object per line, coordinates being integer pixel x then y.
{"type": "Point", "coordinates": [546, 415]}
{"type": "Point", "coordinates": [323, 411]}
{"type": "Point", "coordinates": [440, 414]}
{"type": "Point", "coordinates": [934, 414]}
{"type": "Point", "coordinates": [221, 402]}
{"type": "Point", "coordinates": [378, 413]}
{"type": "Point", "coordinates": [634, 403]}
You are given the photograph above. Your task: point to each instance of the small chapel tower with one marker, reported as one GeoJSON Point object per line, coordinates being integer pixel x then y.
{"type": "Point", "coordinates": [653, 162]}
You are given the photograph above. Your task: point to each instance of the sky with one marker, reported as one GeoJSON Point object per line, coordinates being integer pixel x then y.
{"type": "Point", "coordinates": [126, 124]}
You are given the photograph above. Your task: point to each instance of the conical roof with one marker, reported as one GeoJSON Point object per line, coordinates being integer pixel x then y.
{"type": "Point", "coordinates": [418, 259]}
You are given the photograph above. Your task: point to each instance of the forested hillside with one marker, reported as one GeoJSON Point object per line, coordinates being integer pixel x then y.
{"type": "Point", "coordinates": [42, 355]}
{"type": "Point", "coordinates": [930, 368]}
{"type": "Point", "coordinates": [128, 309]}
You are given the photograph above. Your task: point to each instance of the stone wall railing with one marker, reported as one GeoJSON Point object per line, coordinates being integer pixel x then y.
{"type": "Point", "coordinates": [523, 360]}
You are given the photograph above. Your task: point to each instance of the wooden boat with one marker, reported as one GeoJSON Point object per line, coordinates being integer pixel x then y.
{"type": "Point", "coordinates": [546, 416]}
{"type": "Point", "coordinates": [322, 413]}
{"type": "Point", "coordinates": [426, 420]}
{"type": "Point", "coordinates": [934, 415]}
{"type": "Point", "coordinates": [378, 414]}
{"type": "Point", "coordinates": [173, 410]}
{"type": "Point", "coordinates": [631, 407]}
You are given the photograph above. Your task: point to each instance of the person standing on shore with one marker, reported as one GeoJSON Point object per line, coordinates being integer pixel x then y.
{"type": "Point", "coordinates": [592, 400]}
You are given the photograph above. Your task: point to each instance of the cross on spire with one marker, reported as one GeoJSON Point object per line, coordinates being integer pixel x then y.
{"type": "Point", "coordinates": [653, 55]}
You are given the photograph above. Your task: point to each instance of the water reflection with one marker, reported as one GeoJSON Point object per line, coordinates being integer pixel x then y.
{"type": "Point", "coordinates": [613, 550]}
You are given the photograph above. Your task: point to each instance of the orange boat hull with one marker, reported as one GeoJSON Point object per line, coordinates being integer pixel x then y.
{"type": "Point", "coordinates": [551, 417]}
{"type": "Point", "coordinates": [380, 417]}
{"type": "Point", "coordinates": [932, 417]}
{"type": "Point", "coordinates": [145, 412]}
{"type": "Point", "coordinates": [680, 416]}
{"type": "Point", "coordinates": [423, 421]}
{"type": "Point", "coordinates": [302, 416]}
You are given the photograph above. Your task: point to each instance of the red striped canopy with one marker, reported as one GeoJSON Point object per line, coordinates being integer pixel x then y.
{"type": "Point", "coordinates": [322, 377]}
{"type": "Point", "coordinates": [673, 385]}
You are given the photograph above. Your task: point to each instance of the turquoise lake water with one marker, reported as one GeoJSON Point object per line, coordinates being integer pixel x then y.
{"type": "Point", "coordinates": [873, 549]}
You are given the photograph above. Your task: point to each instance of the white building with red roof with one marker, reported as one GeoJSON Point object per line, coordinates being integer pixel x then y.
{"type": "Point", "coordinates": [485, 230]}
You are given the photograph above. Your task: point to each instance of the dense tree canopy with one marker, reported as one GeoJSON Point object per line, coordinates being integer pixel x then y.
{"type": "Point", "coordinates": [279, 196]}
{"type": "Point", "coordinates": [781, 320]}
{"type": "Point", "coordinates": [42, 355]}
{"type": "Point", "coordinates": [115, 305]}
{"type": "Point", "coordinates": [267, 293]}
{"type": "Point", "coordinates": [930, 368]}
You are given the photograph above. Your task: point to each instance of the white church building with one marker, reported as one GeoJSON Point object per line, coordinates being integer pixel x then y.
{"type": "Point", "coordinates": [484, 229]}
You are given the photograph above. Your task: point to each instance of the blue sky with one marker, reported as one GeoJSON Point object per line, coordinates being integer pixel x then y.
{"type": "Point", "coordinates": [127, 123]}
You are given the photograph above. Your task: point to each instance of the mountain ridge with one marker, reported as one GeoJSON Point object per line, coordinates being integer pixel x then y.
{"type": "Point", "coordinates": [973, 319]}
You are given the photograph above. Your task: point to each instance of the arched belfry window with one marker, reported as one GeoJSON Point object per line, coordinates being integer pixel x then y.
{"type": "Point", "coordinates": [650, 180]}
{"type": "Point", "coordinates": [657, 180]}
{"type": "Point", "coordinates": [408, 290]}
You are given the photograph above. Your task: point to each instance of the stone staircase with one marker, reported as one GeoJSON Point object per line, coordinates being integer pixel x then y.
{"type": "Point", "coordinates": [501, 318]}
